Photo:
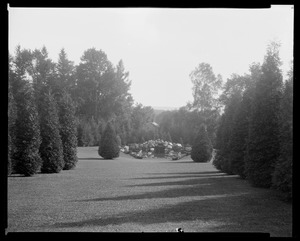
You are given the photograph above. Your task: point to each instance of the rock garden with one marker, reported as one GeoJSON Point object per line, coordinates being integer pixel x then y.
{"type": "Point", "coordinates": [157, 149]}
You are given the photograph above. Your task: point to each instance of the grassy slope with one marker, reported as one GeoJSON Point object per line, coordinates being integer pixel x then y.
{"type": "Point", "coordinates": [131, 195]}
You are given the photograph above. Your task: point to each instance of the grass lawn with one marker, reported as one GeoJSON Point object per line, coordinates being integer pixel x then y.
{"type": "Point", "coordinates": [147, 195]}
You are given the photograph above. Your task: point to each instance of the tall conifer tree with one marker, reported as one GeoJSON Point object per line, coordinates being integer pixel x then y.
{"type": "Point", "coordinates": [109, 147]}
{"type": "Point", "coordinates": [68, 129]}
{"type": "Point", "coordinates": [202, 148]}
{"type": "Point", "coordinates": [282, 176]}
{"type": "Point", "coordinates": [27, 135]}
{"type": "Point", "coordinates": [51, 148]}
{"type": "Point", "coordinates": [263, 146]}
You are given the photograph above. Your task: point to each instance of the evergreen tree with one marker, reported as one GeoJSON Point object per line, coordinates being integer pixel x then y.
{"type": "Point", "coordinates": [223, 160]}
{"type": "Point", "coordinates": [27, 135]}
{"type": "Point", "coordinates": [42, 71]}
{"type": "Point", "coordinates": [12, 116]}
{"type": "Point", "coordinates": [94, 131]}
{"type": "Point", "coordinates": [238, 140]}
{"type": "Point", "coordinates": [80, 141]}
{"type": "Point", "coordinates": [109, 148]}
{"type": "Point", "coordinates": [282, 176]}
{"type": "Point", "coordinates": [88, 135]}
{"type": "Point", "coordinates": [263, 146]}
{"type": "Point", "coordinates": [68, 130]}
{"type": "Point", "coordinates": [51, 148]}
{"type": "Point", "coordinates": [65, 72]}
{"type": "Point", "coordinates": [201, 149]}
{"type": "Point", "coordinates": [219, 162]}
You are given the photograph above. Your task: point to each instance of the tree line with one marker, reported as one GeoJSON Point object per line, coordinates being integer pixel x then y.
{"type": "Point", "coordinates": [53, 107]}
{"type": "Point", "coordinates": [255, 133]}
{"type": "Point", "coordinates": [248, 121]}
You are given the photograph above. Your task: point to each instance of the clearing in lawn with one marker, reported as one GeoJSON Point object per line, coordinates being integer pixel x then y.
{"type": "Point", "coordinates": [147, 195]}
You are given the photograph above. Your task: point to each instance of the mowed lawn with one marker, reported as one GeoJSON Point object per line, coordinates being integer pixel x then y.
{"type": "Point", "coordinates": [148, 195]}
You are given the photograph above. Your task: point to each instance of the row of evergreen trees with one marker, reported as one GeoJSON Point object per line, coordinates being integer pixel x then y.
{"type": "Point", "coordinates": [41, 119]}
{"type": "Point", "coordinates": [53, 107]}
{"type": "Point", "coordinates": [254, 137]}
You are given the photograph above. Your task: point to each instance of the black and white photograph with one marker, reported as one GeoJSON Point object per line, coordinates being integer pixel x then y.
{"type": "Point", "coordinates": [150, 120]}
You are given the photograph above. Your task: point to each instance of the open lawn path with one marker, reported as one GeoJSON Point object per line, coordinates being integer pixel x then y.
{"type": "Point", "coordinates": [148, 195]}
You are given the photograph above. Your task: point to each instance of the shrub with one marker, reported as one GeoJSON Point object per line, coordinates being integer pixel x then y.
{"type": "Point", "coordinates": [201, 149]}
{"type": "Point", "coordinates": [109, 147]}
{"type": "Point", "coordinates": [27, 135]}
{"type": "Point", "coordinates": [51, 148]}
{"type": "Point", "coordinates": [68, 131]}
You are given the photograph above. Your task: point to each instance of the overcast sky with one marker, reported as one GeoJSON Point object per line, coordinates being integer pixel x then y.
{"type": "Point", "coordinates": [159, 46]}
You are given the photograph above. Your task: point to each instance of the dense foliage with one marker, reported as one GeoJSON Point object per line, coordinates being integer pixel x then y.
{"type": "Point", "coordinates": [202, 148]}
{"type": "Point", "coordinates": [254, 136]}
{"type": "Point", "coordinates": [27, 135]}
{"type": "Point", "coordinates": [11, 148]}
{"type": "Point", "coordinates": [68, 129]}
{"type": "Point", "coordinates": [109, 148]}
{"type": "Point", "coordinates": [51, 148]}
{"type": "Point", "coordinates": [282, 176]}
{"type": "Point", "coordinates": [263, 147]}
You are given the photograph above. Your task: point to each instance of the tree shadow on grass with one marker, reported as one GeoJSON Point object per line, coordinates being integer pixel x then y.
{"type": "Point", "coordinates": [174, 183]}
{"type": "Point", "coordinates": [184, 176]}
{"type": "Point", "coordinates": [91, 158]}
{"type": "Point", "coordinates": [186, 173]}
{"type": "Point", "coordinates": [193, 187]}
{"type": "Point", "coordinates": [217, 204]}
{"type": "Point", "coordinates": [208, 210]}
